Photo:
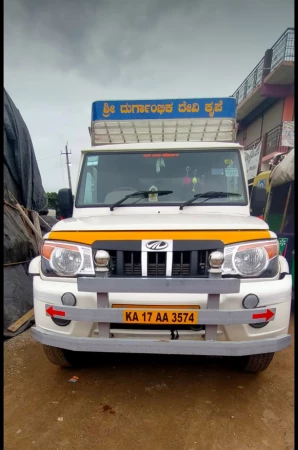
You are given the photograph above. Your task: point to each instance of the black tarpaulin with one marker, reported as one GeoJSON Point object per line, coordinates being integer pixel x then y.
{"type": "Point", "coordinates": [21, 174]}
{"type": "Point", "coordinates": [22, 182]}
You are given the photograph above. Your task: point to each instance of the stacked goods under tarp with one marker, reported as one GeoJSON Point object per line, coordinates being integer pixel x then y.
{"type": "Point", "coordinates": [24, 197]}
{"type": "Point", "coordinates": [284, 172]}
{"type": "Point", "coordinates": [280, 210]}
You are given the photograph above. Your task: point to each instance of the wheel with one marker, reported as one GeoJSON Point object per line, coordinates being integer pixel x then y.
{"type": "Point", "coordinates": [256, 363]}
{"type": "Point", "coordinates": [57, 356]}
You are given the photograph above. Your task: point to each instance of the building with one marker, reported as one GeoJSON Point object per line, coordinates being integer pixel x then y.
{"type": "Point", "coordinates": [265, 100]}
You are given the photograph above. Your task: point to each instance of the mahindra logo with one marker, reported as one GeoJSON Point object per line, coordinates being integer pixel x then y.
{"type": "Point", "coordinates": [157, 245]}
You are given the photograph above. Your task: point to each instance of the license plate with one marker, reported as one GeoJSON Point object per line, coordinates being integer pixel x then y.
{"type": "Point", "coordinates": [161, 317]}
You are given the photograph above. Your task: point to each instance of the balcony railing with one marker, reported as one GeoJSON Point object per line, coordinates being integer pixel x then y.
{"type": "Point", "coordinates": [282, 50]}
{"type": "Point", "coordinates": [253, 80]}
{"type": "Point", "coordinates": [253, 144]}
{"type": "Point", "coordinates": [273, 141]}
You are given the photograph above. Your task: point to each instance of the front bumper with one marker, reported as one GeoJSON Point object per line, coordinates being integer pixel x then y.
{"type": "Point", "coordinates": [185, 347]}
{"type": "Point", "coordinates": [101, 302]}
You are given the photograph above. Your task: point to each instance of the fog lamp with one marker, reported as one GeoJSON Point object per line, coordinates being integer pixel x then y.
{"type": "Point", "coordinates": [250, 301]}
{"type": "Point", "coordinates": [68, 299]}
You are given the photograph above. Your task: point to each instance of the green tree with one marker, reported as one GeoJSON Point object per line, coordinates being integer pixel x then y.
{"type": "Point", "coordinates": [52, 200]}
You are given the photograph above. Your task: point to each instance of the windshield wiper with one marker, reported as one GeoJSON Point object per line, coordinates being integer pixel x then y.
{"type": "Point", "coordinates": [208, 195]}
{"type": "Point", "coordinates": [144, 194]}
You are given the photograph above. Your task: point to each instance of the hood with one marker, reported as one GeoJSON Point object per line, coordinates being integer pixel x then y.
{"type": "Point", "coordinates": [114, 222]}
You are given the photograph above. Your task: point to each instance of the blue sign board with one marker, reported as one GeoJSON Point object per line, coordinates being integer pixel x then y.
{"type": "Point", "coordinates": [200, 108]}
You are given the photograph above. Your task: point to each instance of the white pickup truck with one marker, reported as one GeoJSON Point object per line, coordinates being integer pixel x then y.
{"type": "Point", "coordinates": [158, 252]}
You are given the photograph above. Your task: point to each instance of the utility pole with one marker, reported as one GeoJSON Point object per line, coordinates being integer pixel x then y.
{"type": "Point", "coordinates": [68, 164]}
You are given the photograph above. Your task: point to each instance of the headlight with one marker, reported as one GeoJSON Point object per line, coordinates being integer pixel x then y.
{"type": "Point", "coordinates": [252, 259]}
{"type": "Point", "coordinates": [68, 260]}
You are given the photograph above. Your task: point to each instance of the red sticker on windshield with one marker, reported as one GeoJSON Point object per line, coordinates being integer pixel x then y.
{"type": "Point", "coordinates": [161, 155]}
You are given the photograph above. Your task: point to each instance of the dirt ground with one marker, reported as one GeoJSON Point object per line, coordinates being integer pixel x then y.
{"type": "Point", "coordinates": [134, 402]}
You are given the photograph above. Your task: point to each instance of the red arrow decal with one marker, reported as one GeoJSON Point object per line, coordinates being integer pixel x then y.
{"type": "Point", "coordinates": [53, 312]}
{"type": "Point", "coordinates": [266, 315]}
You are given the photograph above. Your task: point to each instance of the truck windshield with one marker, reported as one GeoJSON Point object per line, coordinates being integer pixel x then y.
{"type": "Point", "coordinates": [107, 178]}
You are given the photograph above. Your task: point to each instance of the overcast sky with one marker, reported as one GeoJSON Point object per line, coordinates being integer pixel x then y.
{"type": "Point", "coordinates": [61, 55]}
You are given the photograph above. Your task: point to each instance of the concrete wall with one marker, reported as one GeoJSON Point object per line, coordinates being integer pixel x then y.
{"type": "Point", "coordinates": [269, 119]}
{"type": "Point", "coordinates": [253, 131]}
{"type": "Point", "coordinates": [273, 117]}
{"type": "Point", "coordinates": [240, 137]}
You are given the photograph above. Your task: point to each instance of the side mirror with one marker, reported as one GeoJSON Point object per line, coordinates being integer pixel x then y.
{"type": "Point", "coordinates": [258, 200]}
{"type": "Point", "coordinates": [65, 202]}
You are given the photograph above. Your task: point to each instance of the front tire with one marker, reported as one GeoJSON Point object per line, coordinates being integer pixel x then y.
{"type": "Point", "coordinates": [57, 356]}
{"type": "Point", "coordinates": [256, 363]}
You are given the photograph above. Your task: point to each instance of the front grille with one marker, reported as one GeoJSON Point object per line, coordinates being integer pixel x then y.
{"type": "Point", "coordinates": [185, 263]}
{"type": "Point", "coordinates": [192, 263]}
{"type": "Point", "coordinates": [132, 264]}
{"type": "Point", "coordinates": [203, 266]}
{"type": "Point", "coordinates": [181, 264]}
{"type": "Point", "coordinates": [156, 264]}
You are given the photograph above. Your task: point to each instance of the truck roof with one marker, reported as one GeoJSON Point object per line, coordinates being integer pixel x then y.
{"type": "Point", "coordinates": [175, 120]}
{"type": "Point", "coordinates": [153, 146]}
